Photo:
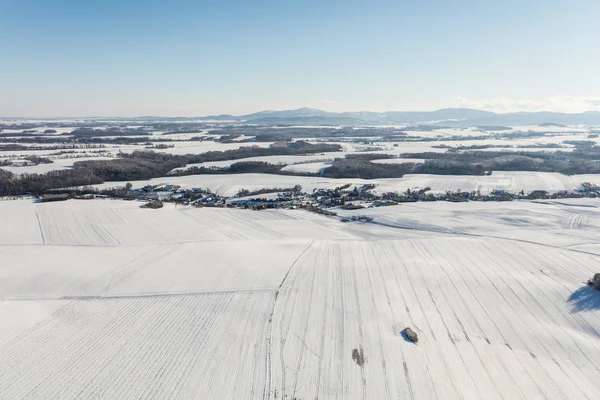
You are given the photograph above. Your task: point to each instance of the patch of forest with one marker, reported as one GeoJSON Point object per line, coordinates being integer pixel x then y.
{"type": "Point", "coordinates": [352, 166]}
{"type": "Point", "coordinates": [582, 160]}
{"type": "Point", "coordinates": [140, 165]}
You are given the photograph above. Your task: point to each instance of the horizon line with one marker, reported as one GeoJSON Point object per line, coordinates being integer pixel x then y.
{"type": "Point", "coordinates": [289, 110]}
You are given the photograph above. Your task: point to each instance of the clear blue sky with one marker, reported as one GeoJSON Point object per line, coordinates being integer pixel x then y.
{"type": "Point", "coordinates": [92, 57]}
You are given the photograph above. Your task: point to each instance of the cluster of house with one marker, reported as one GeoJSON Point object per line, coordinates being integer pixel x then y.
{"type": "Point", "coordinates": [323, 201]}
{"type": "Point", "coordinates": [170, 193]}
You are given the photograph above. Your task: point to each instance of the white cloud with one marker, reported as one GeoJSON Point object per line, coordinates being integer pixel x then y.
{"type": "Point", "coordinates": [567, 104]}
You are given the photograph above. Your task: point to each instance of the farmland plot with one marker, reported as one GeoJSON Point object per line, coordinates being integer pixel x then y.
{"type": "Point", "coordinates": [59, 272]}
{"type": "Point", "coordinates": [276, 160]}
{"type": "Point", "coordinates": [53, 272]}
{"type": "Point", "coordinates": [205, 346]}
{"type": "Point", "coordinates": [493, 320]}
{"type": "Point", "coordinates": [57, 164]}
{"type": "Point", "coordinates": [17, 316]}
{"type": "Point", "coordinates": [115, 223]}
{"type": "Point", "coordinates": [315, 167]}
{"type": "Point", "coordinates": [229, 185]}
{"type": "Point", "coordinates": [120, 223]}
{"type": "Point", "coordinates": [244, 224]}
{"type": "Point", "coordinates": [19, 223]}
{"type": "Point", "coordinates": [207, 267]}
{"type": "Point", "coordinates": [102, 299]}
{"type": "Point", "coordinates": [553, 223]}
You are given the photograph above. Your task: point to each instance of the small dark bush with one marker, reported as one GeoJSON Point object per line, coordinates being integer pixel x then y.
{"type": "Point", "coordinates": [153, 204]}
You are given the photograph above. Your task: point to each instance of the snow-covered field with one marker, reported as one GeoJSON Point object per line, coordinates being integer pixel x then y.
{"type": "Point", "coordinates": [307, 167]}
{"type": "Point", "coordinates": [102, 299]}
{"type": "Point", "coordinates": [229, 185]}
{"type": "Point", "coordinates": [57, 164]}
{"type": "Point", "coordinates": [399, 161]}
{"type": "Point", "coordinates": [276, 160]}
{"type": "Point", "coordinates": [180, 147]}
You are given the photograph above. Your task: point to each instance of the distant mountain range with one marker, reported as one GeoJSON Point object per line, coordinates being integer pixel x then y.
{"type": "Point", "coordinates": [451, 117]}
{"type": "Point", "coordinates": [447, 117]}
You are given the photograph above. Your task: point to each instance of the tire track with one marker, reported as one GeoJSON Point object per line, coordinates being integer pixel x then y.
{"type": "Point", "coordinates": [374, 307]}
{"type": "Point", "coordinates": [268, 361]}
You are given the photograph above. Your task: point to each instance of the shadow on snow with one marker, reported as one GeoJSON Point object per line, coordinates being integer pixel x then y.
{"type": "Point", "coordinates": [585, 298]}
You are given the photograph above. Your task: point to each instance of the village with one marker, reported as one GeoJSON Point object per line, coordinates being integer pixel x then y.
{"type": "Point", "coordinates": [321, 201]}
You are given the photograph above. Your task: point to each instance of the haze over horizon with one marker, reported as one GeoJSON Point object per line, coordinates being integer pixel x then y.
{"type": "Point", "coordinates": [185, 58]}
{"type": "Point", "coordinates": [306, 112]}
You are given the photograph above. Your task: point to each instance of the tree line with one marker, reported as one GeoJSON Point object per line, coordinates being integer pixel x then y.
{"type": "Point", "coordinates": [140, 165]}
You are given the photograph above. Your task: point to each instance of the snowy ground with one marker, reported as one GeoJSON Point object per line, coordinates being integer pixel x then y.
{"type": "Point", "coordinates": [276, 160]}
{"type": "Point", "coordinates": [399, 161]}
{"type": "Point", "coordinates": [229, 185]}
{"type": "Point", "coordinates": [308, 167]}
{"type": "Point", "coordinates": [102, 299]}
{"type": "Point", "coordinates": [182, 146]}
{"type": "Point", "coordinates": [57, 164]}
